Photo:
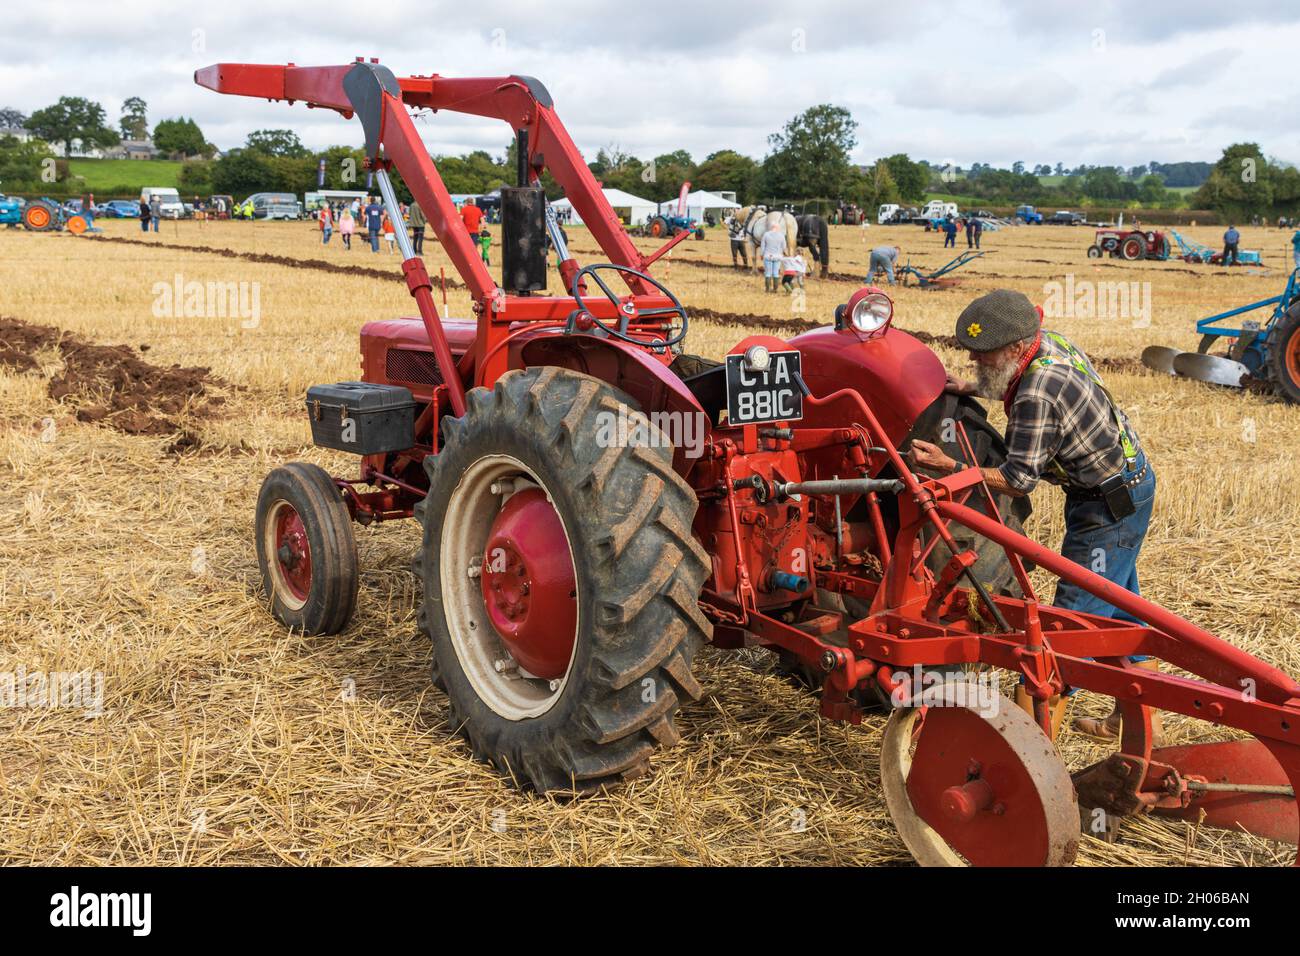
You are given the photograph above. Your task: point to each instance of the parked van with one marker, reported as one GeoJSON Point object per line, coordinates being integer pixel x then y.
{"type": "Point", "coordinates": [172, 207]}
{"type": "Point", "coordinates": [275, 206]}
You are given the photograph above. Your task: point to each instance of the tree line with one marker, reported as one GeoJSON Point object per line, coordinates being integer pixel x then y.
{"type": "Point", "coordinates": [809, 158]}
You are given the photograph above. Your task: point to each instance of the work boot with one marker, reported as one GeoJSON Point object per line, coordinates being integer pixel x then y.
{"type": "Point", "coordinates": [1057, 704]}
{"type": "Point", "coordinates": [1110, 727]}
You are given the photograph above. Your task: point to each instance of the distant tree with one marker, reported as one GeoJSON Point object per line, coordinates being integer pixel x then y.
{"type": "Point", "coordinates": [72, 120]}
{"type": "Point", "coordinates": [196, 179]}
{"type": "Point", "coordinates": [1151, 191]}
{"type": "Point", "coordinates": [1060, 169]}
{"type": "Point", "coordinates": [810, 155]}
{"type": "Point", "coordinates": [276, 142]}
{"type": "Point", "coordinates": [134, 121]}
{"type": "Point", "coordinates": [180, 136]}
{"type": "Point", "coordinates": [11, 118]}
{"type": "Point", "coordinates": [909, 178]}
{"type": "Point", "coordinates": [1018, 167]}
{"type": "Point", "coordinates": [728, 170]}
{"type": "Point", "coordinates": [1240, 185]}
{"type": "Point", "coordinates": [241, 172]}
{"type": "Point", "coordinates": [21, 164]}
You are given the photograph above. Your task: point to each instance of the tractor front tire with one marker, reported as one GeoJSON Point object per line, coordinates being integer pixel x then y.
{"type": "Point", "coordinates": [626, 615]}
{"type": "Point", "coordinates": [306, 549]}
{"type": "Point", "coordinates": [1284, 355]}
{"type": "Point", "coordinates": [1094, 252]}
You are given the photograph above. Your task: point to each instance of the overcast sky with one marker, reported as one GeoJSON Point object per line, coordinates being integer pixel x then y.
{"type": "Point", "coordinates": [991, 81]}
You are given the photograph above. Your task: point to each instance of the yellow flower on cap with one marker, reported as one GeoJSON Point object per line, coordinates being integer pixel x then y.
{"type": "Point", "coordinates": [974, 330]}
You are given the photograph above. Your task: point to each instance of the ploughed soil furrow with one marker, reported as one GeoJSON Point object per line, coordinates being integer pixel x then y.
{"type": "Point", "coordinates": [111, 384]}
{"type": "Point", "coordinates": [264, 258]}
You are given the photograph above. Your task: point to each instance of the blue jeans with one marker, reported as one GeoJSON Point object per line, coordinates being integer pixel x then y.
{"type": "Point", "coordinates": [1099, 543]}
{"type": "Point", "coordinates": [771, 268]}
{"type": "Point", "coordinates": [325, 235]}
{"type": "Point", "coordinates": [880, 263]}
{"type": "Point", "coordinates": [155, 223]}
{"type": "Point", "coordinates": [950, 239]}
{"type": "Point", "coordinates": [374, 240]}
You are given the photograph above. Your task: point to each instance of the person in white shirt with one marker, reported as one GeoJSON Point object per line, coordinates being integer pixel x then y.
{"type": "Point", "coordinates": [793, 269]}
{"type": "Point", "coordinates": [772, 248]}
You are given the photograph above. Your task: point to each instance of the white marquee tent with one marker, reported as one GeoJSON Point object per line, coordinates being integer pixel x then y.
{"type": "Point", "coordinates": [633, 210]}
{"type": "Point", "coordinates": [700, 203]}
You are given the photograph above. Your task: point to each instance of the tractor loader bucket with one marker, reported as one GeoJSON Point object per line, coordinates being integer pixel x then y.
{"type": "Point", "coordinates": [1237, 785]}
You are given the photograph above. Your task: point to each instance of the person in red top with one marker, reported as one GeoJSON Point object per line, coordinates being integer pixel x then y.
{"type": "Point", "coordinates": [472, 217]}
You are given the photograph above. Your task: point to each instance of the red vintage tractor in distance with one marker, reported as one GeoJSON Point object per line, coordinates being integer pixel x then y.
{"type": "Point", "coordinates": [1120, 242]}
{"type": "Point", "coordinates": [574, 558]}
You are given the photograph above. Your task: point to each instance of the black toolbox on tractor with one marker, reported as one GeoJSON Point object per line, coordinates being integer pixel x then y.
{"type": "Point", "coordinates": [361, 417]}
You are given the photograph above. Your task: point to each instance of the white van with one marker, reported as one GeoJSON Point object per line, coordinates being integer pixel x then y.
{"type": "Point", "coordinates": [170, 199]}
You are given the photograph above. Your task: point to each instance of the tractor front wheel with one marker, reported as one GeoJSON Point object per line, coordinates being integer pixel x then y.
{"type": "Point", "coordinates": [561, 582]}
{"type": "Point", "coordinates": [1094, 252]}
{"type": "Point", "coordinates": [306, 549]}
{"type": "Point", "coordinates": [1284, 355]}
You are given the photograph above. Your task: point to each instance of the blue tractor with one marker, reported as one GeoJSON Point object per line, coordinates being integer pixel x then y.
{"type": "Point", "coordinates": [1259, 352]}
{"type": "Point", "coordinates": [1029, 215]}
{"type": "Point", "coordinates": [42, 215]}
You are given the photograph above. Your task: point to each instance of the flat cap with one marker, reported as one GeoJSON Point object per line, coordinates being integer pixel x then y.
{"type": "Point", "coordinates": [996, 319]}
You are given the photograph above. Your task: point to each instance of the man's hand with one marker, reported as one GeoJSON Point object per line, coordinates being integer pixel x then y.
{"type": "Point", "coordinates": [957, 386]}
{"type": "Point", "coordinates": [925, 455]}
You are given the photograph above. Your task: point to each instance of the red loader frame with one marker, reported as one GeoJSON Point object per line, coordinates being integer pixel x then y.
{"type": "Point", "coordinates": [756, 498]}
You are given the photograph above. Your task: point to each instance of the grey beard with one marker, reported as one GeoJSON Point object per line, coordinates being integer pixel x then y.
{"type": "Point", "coordinates": [991, 381]}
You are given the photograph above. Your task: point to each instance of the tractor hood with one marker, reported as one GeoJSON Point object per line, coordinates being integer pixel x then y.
{"type": "Point", "coordinates": [896, 374]}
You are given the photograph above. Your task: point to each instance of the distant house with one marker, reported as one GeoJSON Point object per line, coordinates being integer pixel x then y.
{"type": "Point", "coordinates": [132, 149]}
{"type": "Point", "coordinates": [17, 132]}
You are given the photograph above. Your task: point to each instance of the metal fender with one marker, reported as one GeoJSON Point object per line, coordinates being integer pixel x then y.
{"type": "Point", "coordinates": [896, 374]}
{"type": "Point", "coordinates": [647, 380]}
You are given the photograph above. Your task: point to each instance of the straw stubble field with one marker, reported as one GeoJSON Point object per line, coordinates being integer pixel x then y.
{"type": "Point", "coordinates": [127, 550]}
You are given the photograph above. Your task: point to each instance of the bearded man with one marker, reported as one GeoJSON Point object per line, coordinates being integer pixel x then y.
{"type": "Point", "coordinates": [1064, 427]}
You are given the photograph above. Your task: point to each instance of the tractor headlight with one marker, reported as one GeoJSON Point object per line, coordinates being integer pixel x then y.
{"type": "Point", "coordinates": [757, 358]}
{"type": "Point", "coordinates": [869, 310]}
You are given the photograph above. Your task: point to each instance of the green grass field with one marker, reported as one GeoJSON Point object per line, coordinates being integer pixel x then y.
{"type": "Point", "coordinates": [109, 176]}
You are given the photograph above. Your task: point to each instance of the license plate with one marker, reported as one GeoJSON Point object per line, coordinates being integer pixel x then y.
{"type": "Point", "coordinates": [772, 395]}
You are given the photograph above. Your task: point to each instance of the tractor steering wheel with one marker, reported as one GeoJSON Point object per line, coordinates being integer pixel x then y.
{"type": "Point", "coordinates": [627, 311]}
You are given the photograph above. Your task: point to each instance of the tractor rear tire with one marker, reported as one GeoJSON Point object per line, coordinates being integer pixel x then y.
{"type": "Point", "coordinates": [306, 549]}
{"type": "Point", "coordinates": [1284, 355]}
{"type": "Point", "coordinates": [1133, 248]}
{"type": "Point", "coordinates": [635, 578]}
{"type": "Point", "coordinates": [40, 216]}
{"type": "Point", "coordinates": [657, 227]}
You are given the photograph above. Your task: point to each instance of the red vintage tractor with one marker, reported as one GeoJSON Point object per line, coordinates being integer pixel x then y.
{"type": "Point", "coordinates": [1122, 243]}
{"type": "Point", "coordinates": [596, 504]}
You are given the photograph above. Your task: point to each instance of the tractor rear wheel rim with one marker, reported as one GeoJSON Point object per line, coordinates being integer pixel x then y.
{"type": "Point", "coordinates": [509, 590]}
{"type": "Point", "coordinates": [38, 217]}
{"type": "Point", "coordinates": [289, 551]}
{"type": "Point", "coordinates": [989, 789]}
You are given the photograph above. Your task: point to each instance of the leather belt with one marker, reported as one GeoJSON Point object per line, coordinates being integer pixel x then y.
{"type": "Point", "coordinates": [1097, 494]}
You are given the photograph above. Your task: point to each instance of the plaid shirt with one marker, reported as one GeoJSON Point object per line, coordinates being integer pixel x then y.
{"type": "Point", "coordinates": [1060, 414]}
